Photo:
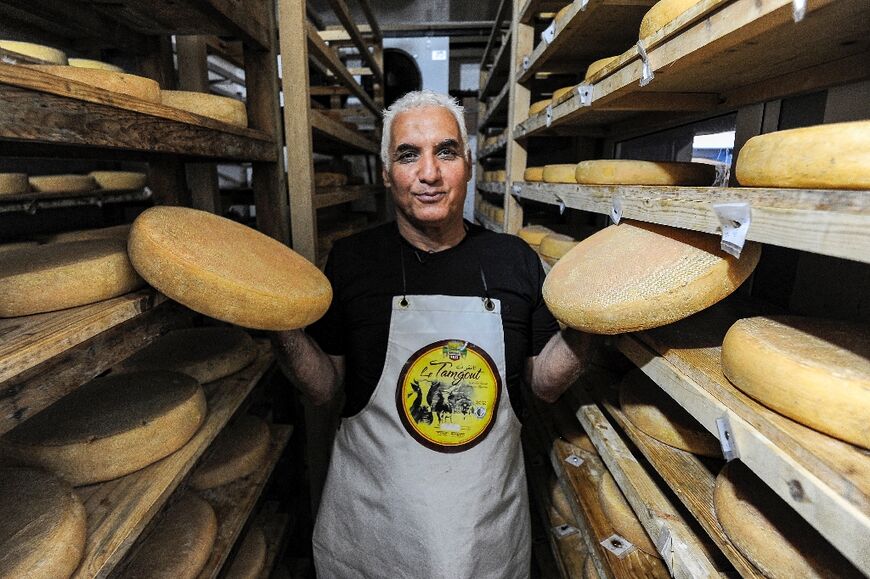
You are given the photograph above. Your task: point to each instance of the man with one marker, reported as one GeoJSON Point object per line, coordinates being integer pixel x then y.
{"type": "Point", "coordinates": [433, 324]}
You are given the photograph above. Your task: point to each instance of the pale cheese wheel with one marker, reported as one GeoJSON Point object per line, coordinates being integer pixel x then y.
{"type": "Point", "coordinates": [130, 85]}
{"type": "Point", "coordinates": [560, 92]}
{"type": "Point", "coordinates": [589, 570]}
{"type": "Point", "coordinates": [499, 176]}
{"type": "Point", "coordinates": [43, 527]}
{"type": "Point", "coordinates": [636, 276]}
{"type": "Point", "coordinates": [13, 184]}
{"type": "Point", "coordinates": [490, 141]}
{"type": "Point", "coordinates": [239, 450]}
{"type": "Point", "coordinates": [17, 245]}
{"type": "Point", "coordinates": [768, 532]}
{"type": "Point", "coordinates": [327, 179]}
{"type": "Point", "coordinates": [179, 545]}
{"type": "Point", "coordinates": [205, 354]}
{"type": "Point", "coordinates": [498, 214]}
{"type": "Point", "coordinates": [110, 427]}
{"type": "Point", "coordinates": [533, 174]}
{"type": "Point", "coordinates": [562, 173]}
{"type": "Point", "coordinates": [834, 156]}
{"type": "Point", "coordinates": [250, 557]}
{"type": "Point", "coordinates": [39, 52]}
{"type": "Point", "coordinates": [656, 414]}
{"type": "Point", "coordinates": [560, 15]}
{"type": "Point", "coordinates": [120, 180]}
{"type": "Point", "coordinates": [554, 246]}
{"type": "Point", "coordinates": [599, 64]}
{"type": "Point", "coordinates": [661, 14]}
{"type": "Point", "coordinates": [533, 234]}
{"type": "Point", "coordinates": [618, 512]}
{"type": "Point", "coordinates": [53, 277]}
{"type": "Point", "coordinates": [539, 106]}
{"type": "Point", "coordinates": [98, 64]}
{"type": "Point", "coordinates": [226, 270]}
{"type": "Point", "coordinates": [113, 232]}
{"type": "Point", "coordinates": [487, 176]}
{"type": "Point", "coordinates": [559, 501]}
{"type": "Point", "coordinates": [224, 109]}
{"type": "Point", "coordinates": [62, 183]}
{"type": "Point", "coordinates": [815, 371]}
{"type": "Point", "coordinates": [629, 172]}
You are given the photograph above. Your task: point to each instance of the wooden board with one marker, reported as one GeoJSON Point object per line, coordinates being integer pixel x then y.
{"type": "Point", "coordinates": [499, 147]}
{"type": "Point", "coordinates": [35, 202]}
{"type": "Point", "coordinates": [529, 8]}
{"type": "Point", "coordinates": [330, 196]}
{"type": "Point", "coordinates": [496, 111]}
{"type": "Point", "coordinates": [349, 141]}
{"type": "Point", "coordinates": [498, 23]}
{"type": "Point", "coordinates": [494, 187]}
{"type": "Point", "coordinates": [499, 72]}
{"type": "Point", "coordinates": [489, 223]}
{"type": "Point", "coordinates": [339, 7]}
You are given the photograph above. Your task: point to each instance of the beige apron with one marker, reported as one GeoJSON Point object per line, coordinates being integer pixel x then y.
{"type": "Point", "coordinates": [428, 480]}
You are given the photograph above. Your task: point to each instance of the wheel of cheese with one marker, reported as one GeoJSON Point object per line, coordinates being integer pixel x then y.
{"type": "Point", "coordinates": [43, 527]}
{"type": "Point", "coordinates": [13, 184]}
{"type": "Point", "coordinates": [63, 183]}
{"type": "Point", "coordinates": [533, 174]}
{"type": "Point", "coordinates": [500, 176]}
{"type": "Point", "coordinates": [534, 234]}
{"type": "Point", "coordinates": [815, 371]}
{"type": "Point", "coordinates": [250, 558]}
{"type": "Point", "coordinates": [559, 501]}
{"type": "Point", "coordinates": [179, 545]}
{"type": "Point", "coordinates": [239, 450]}
{"type": "Point", "coordinates": [554, 246]}
{"type": "Point", "coordinates": [205, 354]}
{"type": "Point", "coordinates": [120, 180]}
{"type": "Point", "coordinates": [498, 215]}
{"type": "Point", "coordinates": [37, 51]}
{"type": "Point", "coordinates": [114, 232]}
{"type": "Point", "coordinates": [834, 156]}
{"type": "Point", "coordinates": [589, 570]}
{"type": "Point", "coordinates": [599, 64]}
{"type": "Point", "coordinates": [622, 518]}
{"type": "Point", "coordinates": [53, 277]}
{"type": "Point", "coordinates": [224, 109]}
{"type": "Point", "coordinates": [560, 92]}
{"type": "Point", "coordinates": [117, 82]}
{"type": "Point", "coordinates": [98, 64]}
{"type": "Point", "coordinates": [16, 245]}
{"type": "Point", "coordinates": [539, 106]}
{"type": "Point", "coordinates": [627, 172]}
{"type": "Point", "coordinates": [110, 426]}
{"type": "Point", "coordinates": [325, 179]}
{"type": "Point", "coordinates": [563, 173]}
{"type": "Point", "coordinates": [768, 532]}
{"type": "Point", "coordinates": [636, 276]}
{"type": "Point", "coordinates": [661, 14]}
{"type": "Point", "coordinates": [227, 271]}
{"type": "Point", "coordinates": [655, 413]}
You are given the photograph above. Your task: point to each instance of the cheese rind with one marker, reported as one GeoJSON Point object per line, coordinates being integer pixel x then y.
{"type": "Point", "coordinates": [539, 106]}
{"type": "Point", "coordinates": [599, 64]}
{"type": "Point", "coordinates": [97, 64]}
{"type": "Point", "coordinates": [661, 14]}
{"type": "Point", "coordinates": [562, 173]}
{"type": "Point", "coordinates": [239, 450]}
{"type": "Point", "coordinates": [113, 232]}
{"type": "Point", "coordinates": [120, 180]}
{"type": "Point", "coordinates": [37, 51]}
{"type": "Point", "coordinates": [327, 179]}
{"type": "Point", "coordinates": [554, 246]}
{"type": "Point", "coordinates": [534, 234]}
{"type": "Point", "coordinates": [224, 109]}
{"type": "Point", "coordinates": [560, 92]}
{"type": "Point", "coordinates": [533, 174]}
{"type": "Point", "coordinates": [62, 183]}
{"type": "Point", "coordinates": [250, 557]}
{"type": "Point", "coordinates": [622, 518]}
{"type": "Point", "coordinates": [117, 82]}
{"type": "Point", "coordinates": [628, 172]}
{"type": "Point", "coordinates": [589, 570]}
{"type": "Point", "coordinates": [13, 184]}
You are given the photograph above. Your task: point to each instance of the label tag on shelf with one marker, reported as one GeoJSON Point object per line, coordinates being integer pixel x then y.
{"type": "Point", "coordinates": [549, 115]}
{"type": "Point", "coordinates": [516, 188]}
{"type": "Point", "coordinates": [549, 34]}
{"type": "Point", "coordinates": [646, 74]}
{"type": "Point", "coordinates": [574, 460]}
{"type": "Point", "coordinates": [584, 94]}
{"type": "Point", "coordinates": [799, 9]}
{"type": "Point", "coordinates": [726, 438]}
{"type": "Point", "coordinates": [665, 545]}
{"type": "Point", "coordinates": [734, 219]}
{"type": "Point", "coordinates": [561, 204]}
{"type": "Point", "coordinates": [618, 545]}
{"type": "Point", "coordinates": [527, 62]}
{"type": "Point", "coordinates": [616, 210]}
{"type": "Point", "coordinates": [562, 531]}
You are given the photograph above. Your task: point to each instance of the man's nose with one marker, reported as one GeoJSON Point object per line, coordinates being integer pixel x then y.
{"type": "Point", "coordinates": [429, 170]}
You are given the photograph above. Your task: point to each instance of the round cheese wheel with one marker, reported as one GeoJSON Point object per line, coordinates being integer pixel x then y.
{"type": "Point", "coordinates": [98, 64]}
{"type": "Point", "coordinates": [533, 174]}
{"type": "Point", "coordinates": [224, 109]}
{"type": "Point", "coordinates": [834, 156]}
{"type": "Point", "coordinates": [17, 245]}
{"type": "Point", "coordinates": [598, 65]}
{"type": "Point", "coordinates": [768, 532]}
{"type": "Point", "coordinates": [13, 184]}
{"type": "Point", "coordinates": [118, 82]}
{"type": "Point", "coordinates": [227, 271]}
{"type": "Point", "coordinates": [498, 214]}
{"type": "Point", "coordinates": [43, 527]}
{"type": "Point", "coordinates": [62, 183]}
{"type": "Point", "coordinates": [114, 232]}
{"type": "Point", "coordinates": [37, 51]}
{"type": "Point", "coordinates": [499, 176]}
{"type": "Point", "coordinates": [324, 179]}
{"type": "Point", "coordinates": [120, 180]}
{"type": "Point", "coordinates": [589, 570]}
{"type": "Point", "coordinates": [627, 172]}
{"type": "Point", "coordinates": [563, 173]}
{"type": "Point", "coordinates": [661, 14]}
{"type": "Point", "coordinates": [636, 276]}
{"type": "Point", "coordinates": [622, 518]}
{"type": "Point", "coordinates": [815, 371]}
{"type": "Point", "coordinates": [250, 558]}
{"type": "Point", "coordinates": [110, 426]}
{"type": "Point", "coordinates": [490, 141]}
{"type": "Point", "coordinates": [45, 278]}
{"type": "Point", "coordinates": [559, 501]}
{"type": "Point", "coordinates": [179, 545]}
{"type": "Point", "coordinates": [560, 92]}
{"type": "Point", "coordinates": [554, 246]}
{"type": "Point", "coordinates": [239, 450]}
{"type": "Point", "coordinates": [539, 106]}
{"type": "Point", "coordinates": [534, 234]}
{"type": "Point", "coordinates": [655, 413]}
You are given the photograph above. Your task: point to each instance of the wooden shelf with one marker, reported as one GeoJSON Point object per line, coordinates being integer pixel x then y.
{"type": "Point", "coordinates": [330, 196]}
{"type": "Point", "coordinates": [331, 135]}
{"type": "Point", "coordinates": [496, 111]}
{"type": "Point", "coordinates": [827, 222]}
{"type": "Point", "coordinates": [489, 223]}
{"type": "Point", "coordinates": [532, 7]}
{"type": "Point", "coordinates": [493, 187]}
{"type": "Point", "coordinates": [826, 480]}
{"type": "Point", "coordinates": [276, 526]}
{"type": "Point", "coordinates": [339, 7]}
{"type": "Point", "coordinates": [119, 510]}
{"type": "Point", "coordinates": [497, 32]}
{"type": "Point", "coordinates": [35, 202]}
{"type": "Point", "coordinates": [499, 72]}
{"type": "Point", "coordinates": [496, 148]}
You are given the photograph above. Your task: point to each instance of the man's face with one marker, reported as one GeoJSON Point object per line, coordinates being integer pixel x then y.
{"type": "Point", "coordinates": [429, 169]}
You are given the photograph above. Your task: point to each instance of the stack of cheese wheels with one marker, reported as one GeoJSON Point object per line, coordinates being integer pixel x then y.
{"type": "Point", "coordinates": [36, 51]}
{"type": "Point", "coordinates": [562, 173]}
{"type": "Point", "coordinates": [224, 109]}
{"type": "Point", "coordinates": [43, 527]}
{"type": "Point", "coordinates": [636, 276]}
{"type": "Point", "coordinates": [661, 14]}
{"type": "Point", "coordinates": [534, 174]}
{"type": "Point", "coordinates": [205, 354]}
{"type": "Point", "coordinates": [815, 371]}
{"type": "Point", "coordinates": [622, 518]}
{"type": "Point", "coordinates": [120, 180]}
{"type": "Point", "coordinates": [62, 183]}
{"type": "Point", "coordinates": [658, 415]}
{"type": "Point", "coordinates": [227, 271]}
{"type": "Point", "coordinates": [239, 450]}
{"type": "Point", "coordinates": [179, 545]}
{"type": "Point", "coordinates": [534, 234]}
{"type": "Point", "coordinates": [98, 64]}
{"type": "Point", "coordinates": [109, 80]}
{"type": "Point", "coordinates": [835, 156]}
{"type": "Point", "coordinates": [628, 172]}
{"type": "Point", "coordinates": [45, 278]}
{"type": "Point", "coordinates": [250, 556]}
{"type": "Point", "coordinates": [599, 64]}
{"type": "Point", "coordinates": [328, 179]}
{"type": "Point", "coordinates": [554, 246]}
{"type": "Point", "coordinates": [13, 184]}
{"type": "Point", "coordinates": [110, 426]}
{"type": "Point", "coordinates": [539, 106]}
{"type": "Point", "coordinates": [769, 533]}
{"type": "Point", "coordinates": [112, 232]}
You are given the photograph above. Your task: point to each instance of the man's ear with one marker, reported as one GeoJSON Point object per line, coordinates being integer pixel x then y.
{"type": "Point", "coordinates": [468, 166]}
{"type": "Point", "coordinates": [385, 175]}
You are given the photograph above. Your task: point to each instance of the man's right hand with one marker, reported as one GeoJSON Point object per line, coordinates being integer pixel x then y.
{"type": "Point", "coordinates": [318, 375]}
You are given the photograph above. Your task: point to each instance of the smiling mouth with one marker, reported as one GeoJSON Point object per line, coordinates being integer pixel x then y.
{"type": "Point", "coordinates": [430, 196]}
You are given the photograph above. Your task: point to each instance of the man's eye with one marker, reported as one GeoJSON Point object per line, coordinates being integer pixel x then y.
{"type": "Point", "coordinates": [406, 157]}
{"type": "Point", "coordinates": [447, 154]}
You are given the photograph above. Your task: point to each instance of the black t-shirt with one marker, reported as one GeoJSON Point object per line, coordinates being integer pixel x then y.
{"type": "Point", "coordinates": [366, 272]}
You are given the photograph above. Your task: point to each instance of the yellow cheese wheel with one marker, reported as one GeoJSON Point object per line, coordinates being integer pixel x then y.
{"type": "Point", "coordinates": [834, 156]}
{"type": "Point", "coordinates": [499, 176]}
{"type": "Point", "coordinates": [13, 184]}
{"type": "Point", "coordinates": [815, 371]}
{"type": "Point", "coordinates": [43, 527]}
{"type": "Point", "coordinates": [539, 106]}
{"type": "Point", "coordinates": [598, 65]}
{"type": "Point", "coordinates": [636, 276]}
{"type": "Point", "coordinates": [227, 271]}
{"type": "Point", "coordinates": [533, 234]}
{"type": "Point", "coordinates": [533, 174]}
{"type": "Point", "coordinates": [250, 558]}
{"type": "Point", "coordinates": [223, 109]}
{"type": "Point", "coordinates": [326, 179]}
{"type": "Point", "coordinates": [618, 512]}
{"type": "Point", "coordinates": [559, 501]}
{"type": "Point", "coordinates": [62, 183]}
{"type": "Point", "coordinates": [239, 450]}
{"type": "Point", "coordinates": [768, 532]}
{"type": "Point", "coordinates": [37, 51]}
{"type": "Point", "coordinates": [490, 141]}
{"type": "Point", "coordinates": [110, 426]}
{"type": "Point", "coordinates": [179, 545]}
{"type": "Point", "coordinates": [16, 245]}
{"type": "Point", "coordinates": [53, 277]}
{"type": "Point", "coordinates": [554, 246]}
{"type": "Point", "coordinates": [560, 92]}
{"type": "Point", "coordinates": [655, 413]}
{"type": "Point", "coordinates": [661, 14]}
{"type": "Point", "coordinates": [114, 232]}
{"type": "Point", "coordinates": [560, 15]}
{"type": "Point", "coordinates": [117, 82]}
{"type": "Point", "coordinates": [563, 173]}
{"type": "Point", "coordinates": [498, 215]}
{"type": "Point", "coordinates": [628, 172]}
{"type": "Point", "coordinates": [98, 64]}
{"type": "Point", "coordinates": [120, 180]}
{"type": "Point", "coordinates": [589, 570]}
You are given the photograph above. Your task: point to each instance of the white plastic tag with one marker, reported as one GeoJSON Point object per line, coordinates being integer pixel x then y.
{"type": "Point", "coordinates": [799, 9]}
{"type": "Point", "coordinates": [527, 62]}
{"type": "Point", "coordinates": [665, 545]}
{"type": "Point", "coordinates": [549, 115]}
{"type": "Point", "coordinates": [726, 438]}
{"type": "Point", "coordinates": [616, 210]}
{"type": "Point", "coordinates": [584, 4]}
{"type": "Point", "coordinates": [574, 460]}
{"type": "Point", "coordinates": [618, 545]}
{"type": "Point", "coordinates": [562, 531]}
{"type": "Point", "coordinates": [549, 34]}
{"type": "Point", "coordinates": [646, 74]}
{"type": "Point", "coordinates": [584, 94]}
{"type": "Point", "coordinates": [8, 60]}
{"type": "Point", "coordinates": [516, 188]}
{"type": "Point", "coordinates": [561, 204]}
{"type": "Point", "coordinates": [735, 219]}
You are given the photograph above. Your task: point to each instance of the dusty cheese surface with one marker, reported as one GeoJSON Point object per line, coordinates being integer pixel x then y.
{"type": "Point", "coordinates": [220, 108]}
{"type": "Point", "coordinates": [109, 80]}
{"type": "Point", "coordinates": [239, 450]}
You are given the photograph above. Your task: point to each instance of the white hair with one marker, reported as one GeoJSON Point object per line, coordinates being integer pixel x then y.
{"type": "Point", "coordinates": [417, 100]}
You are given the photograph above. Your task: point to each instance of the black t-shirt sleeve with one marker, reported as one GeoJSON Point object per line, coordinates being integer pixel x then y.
{"type": "Point", "coordinates": [327, 330]}
{"type": "Point", "coordinates": [544, 325]}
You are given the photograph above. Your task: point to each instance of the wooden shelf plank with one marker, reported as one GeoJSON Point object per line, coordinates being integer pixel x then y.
{"type": "Point", "coordinates": [339, 7]}
{"type": "Point", "coordinates": [489, 223]}
{"type": "Point", "coordinates": [375, 28]}
{"type": "Point", "coordinates": [499, 72]}
{"type": "Point", "coordinates": [494, 187]}
{"type": "Point", "coordinates": [499, 147]}
{"type": "Point", "coordinates": [826, 480]}
{"type": "Point", "coordinates": [496, 111]}
{"type": "Point", "coordinates": [335, 132]}
{"type": "Point", "coordinates": [503, 12]}
{"type": "Point", "coordinates": [330, 196]}
{"type": "Point", "coordinates": [533, 7]}
{"type": "Point", "coordinates": [828, 222]}
{"type": "Point", "coordinates": [35, 202]}
{"type": "Point", "coordinates": [119, 510]}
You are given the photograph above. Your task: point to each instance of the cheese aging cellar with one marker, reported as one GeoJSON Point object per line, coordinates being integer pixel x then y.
{"type": "Point", "coordinates": [406, 289]}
